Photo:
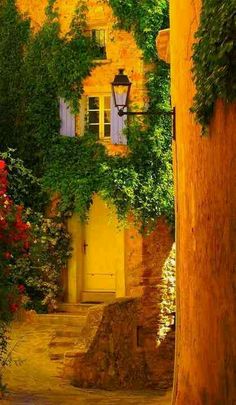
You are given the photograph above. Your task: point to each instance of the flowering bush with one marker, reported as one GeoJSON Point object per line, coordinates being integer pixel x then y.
{"type": "Point", "coordinates": [40, 271]}
{"type": "Point", "coordinates": [40, 268]}
{"type": "Point", "coordinates": [14, 244]}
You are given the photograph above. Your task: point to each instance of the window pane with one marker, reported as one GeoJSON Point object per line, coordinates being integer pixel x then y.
{"type": "Point", "coordinates": [107, 130]}
{"type": "Point", "coordinates": [107, 117]}
{"type": "Point", "coordinates": [93, 103]}
{"type": "Point", "coordinates": [94, 117]}
{"type": "Point", "coordinates": [94, 129]}
{"type": "Point", "coordinates": [107, 103]}
{"type": "Point", "coordinates": [99, 37]}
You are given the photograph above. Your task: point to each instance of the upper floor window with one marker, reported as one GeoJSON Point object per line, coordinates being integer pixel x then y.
{"type": "Point", "coordinates": [99, 115]}
{"type": "Point", "coordinates": [99, 38]}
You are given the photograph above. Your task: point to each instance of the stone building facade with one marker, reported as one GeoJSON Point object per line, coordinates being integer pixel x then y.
{"type": "Point", "coordinates": [110, 264]}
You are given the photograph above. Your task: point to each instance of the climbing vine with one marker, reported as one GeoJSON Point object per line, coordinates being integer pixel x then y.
{"type": "Point", "coordinates": [143, 21]}
{"type": "Point", "coordinates": [54, 65]}
{"type": "Point", "coordinates": [36, 70]}
{"type": "Point", "coordinates": [140, 182]}
{"type": "Point", "coordinates": [14, 34]}
{"type": "Point", "coordinates": [214, 58]}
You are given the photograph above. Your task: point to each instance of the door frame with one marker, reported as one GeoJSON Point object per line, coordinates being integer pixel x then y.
{"type": "Point", "coordinates": [75, 272]}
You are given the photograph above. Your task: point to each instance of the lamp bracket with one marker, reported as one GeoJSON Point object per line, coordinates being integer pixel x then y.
{"type": "Point", "coordinates": [172, 112]}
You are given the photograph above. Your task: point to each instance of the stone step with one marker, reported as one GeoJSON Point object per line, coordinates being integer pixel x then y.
{"type": "Point", "coordinates": [62, 342]}
{"type": "Point", "coordinates": [69, 331]}
{"type": "Point", "coordinates": [57, 354]}
{"type": "Point", "coordinates": [75, 308]}
{"type": "Point", "coordinates": [61, 319]}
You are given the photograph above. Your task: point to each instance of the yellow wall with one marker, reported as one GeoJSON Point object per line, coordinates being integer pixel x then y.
{"type": "Point", "coordinates": [206, 231]}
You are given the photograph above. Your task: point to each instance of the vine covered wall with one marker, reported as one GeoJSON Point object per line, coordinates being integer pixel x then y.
{"type": "Point", "coordinates": [56, 64]}
{"type": "Point", "coordinates": [214, 58]}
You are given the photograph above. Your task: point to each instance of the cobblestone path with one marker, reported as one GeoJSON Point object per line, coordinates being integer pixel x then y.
{"type": "Point", "coordinates": [36, 381]}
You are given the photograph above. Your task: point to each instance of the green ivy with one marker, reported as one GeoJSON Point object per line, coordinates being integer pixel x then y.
{"type": "Point", "coordinates": [142, 181]}
{"type": "Point", "coordinates": [36, 69]}
{"type": "Point", "coordinates": [214, 58]}
{"type": "Point", "coordinates": [74, 171]}
{"type": "Point", "coordinates": [23, 187]}
{"type": "Point", "coordinates": [144, 21]}
{"type": "Point", "coordinates": [55, 65]}
{"type": "Point", "coordinates": [14, 34]}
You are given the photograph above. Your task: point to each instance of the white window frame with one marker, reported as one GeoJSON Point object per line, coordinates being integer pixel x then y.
{"type": "Point", "coordinates": [102, 109]}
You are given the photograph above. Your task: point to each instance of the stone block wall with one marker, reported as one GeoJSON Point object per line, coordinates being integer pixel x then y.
{"type": "Point", "coordinates": [110, 357]}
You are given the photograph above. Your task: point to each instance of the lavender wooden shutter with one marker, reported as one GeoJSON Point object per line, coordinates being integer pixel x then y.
{"type": "Point", "coordinates": [67, 119]}
{"type": "Point", "coordinates": [118, 123]}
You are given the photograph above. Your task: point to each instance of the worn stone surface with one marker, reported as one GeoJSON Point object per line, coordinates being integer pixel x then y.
{"type": "Point", "coordinates": [37, 380]}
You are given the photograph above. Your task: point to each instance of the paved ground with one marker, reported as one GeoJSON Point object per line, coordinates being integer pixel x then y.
{"type": "Point", "coordinates": [37, 381]}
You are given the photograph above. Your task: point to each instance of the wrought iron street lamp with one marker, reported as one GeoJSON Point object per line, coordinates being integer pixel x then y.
{"type": "Point", "coordinates": [121, 87]}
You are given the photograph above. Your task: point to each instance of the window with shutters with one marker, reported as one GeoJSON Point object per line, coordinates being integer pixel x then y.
{"type": "Point", "coordinates": [99, 116]}
{"type": "Point", "coordinates": [67, 119]}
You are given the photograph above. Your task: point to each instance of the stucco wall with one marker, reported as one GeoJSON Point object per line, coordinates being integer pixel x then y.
{"type": "Point", "coordinates": [206, 232]}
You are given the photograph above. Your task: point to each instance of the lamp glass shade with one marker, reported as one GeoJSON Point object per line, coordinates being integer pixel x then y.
{"type": "Point", "coordinates": [121, 89]}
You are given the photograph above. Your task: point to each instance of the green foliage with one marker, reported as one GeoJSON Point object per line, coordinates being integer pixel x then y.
{"type": "Point", "coordinates": [35, 70]}
{"type": "Point", "coordinates": [23, 187]}
{"type": "Point", "coordinates": [144, 21]}
{"type": "Point", "coordinates": [55, 66]}
{"type": "Point", "coordinates": [214, 58]}
{"type": "Point", "coordinates": [14, 32]}
{"type": "Point", "coordinates": [41, 269]}
{"type": "Point", "coordinates": [150, 162]}
{"type": "Point", "coordinates": [140, 182]}
{"type": "Point", "coordinates": [78, 177]}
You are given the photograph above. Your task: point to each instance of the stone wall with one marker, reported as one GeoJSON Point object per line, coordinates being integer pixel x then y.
{"type": "Point", "coordinates": [130, 342]}
{"type": "Point", "coordinates": [110, 357]}
{"type": "Point", "coordinates": [158, 305]}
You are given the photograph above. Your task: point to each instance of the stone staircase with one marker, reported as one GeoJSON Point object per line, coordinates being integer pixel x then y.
{"type": "Point", "coordinates": [67, 328]}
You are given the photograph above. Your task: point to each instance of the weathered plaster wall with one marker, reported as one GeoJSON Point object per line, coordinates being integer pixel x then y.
{"type": "Point", "coordinates": [206, 232]}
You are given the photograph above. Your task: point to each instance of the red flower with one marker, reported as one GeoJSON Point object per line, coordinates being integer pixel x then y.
{"type": "Point", "coordinates": [26, 245]}
{"type": "Point", "coordinates": [14, 308]}
{"type": "Point", "coordinates": [7, 255]}
{"type": "Point", "coordinates": [2, 164]}
{"type": "Point", "coordinates": [21, 288]}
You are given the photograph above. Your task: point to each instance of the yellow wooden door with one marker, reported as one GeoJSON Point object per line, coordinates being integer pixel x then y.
{"type": "Point", "coordinates": [103, 249]}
